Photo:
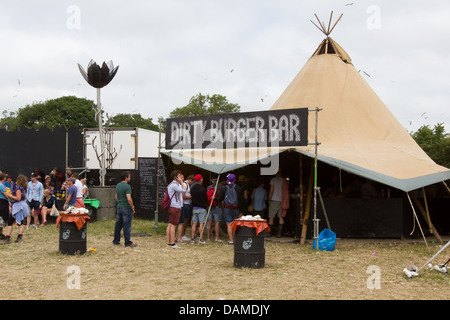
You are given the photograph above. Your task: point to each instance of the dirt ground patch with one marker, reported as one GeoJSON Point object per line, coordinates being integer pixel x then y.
{"type": "Point", "coordinates": [152, 271]}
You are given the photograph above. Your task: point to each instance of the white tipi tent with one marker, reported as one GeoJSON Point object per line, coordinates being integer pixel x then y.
{"type": "Point", "coordinates": [357, 132]}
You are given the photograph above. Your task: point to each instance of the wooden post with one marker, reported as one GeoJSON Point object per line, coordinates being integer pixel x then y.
{"type": "Point", "coordinates": [301, 188]}
{"type": "Point", "coordinates": [308, 205]}
{"type": "Point", "coordinates": [422, 210]}
{"type": "Point", "coordinates": [427, 211]}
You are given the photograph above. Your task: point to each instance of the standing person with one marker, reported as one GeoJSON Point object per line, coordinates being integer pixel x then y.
{"type": "Point", "coordinates": [79, 185]}
{"type": "Point", "coordinates": [71, 196]}
{"type": "Point", "coordinates": [4, 204]}
{"type": "Point", "coordinates": [233, 199]}
{"type": "Point", "coordinates": [175, 189]}
{"type": "Point", "coordinates": [84, 189]}
{"type": "Point", "coordinates": [259, 198]}
{"type": "Point", "coordinates": [19, 208]}
{"type": "Point", "coordinates": [186, 210]}
{"type": "Point", "coordinates": [124, 211]}
{"type": "Point", "coordinates": [199, 207]}
{"type": "Point", "coordinates": [35, 194]}
{"type": "Point", "coordinates": [9, 183]}
{"type": "Point", "coordinates": [215, 214]}
{"type": "Point", "coordinates": [275, 198]}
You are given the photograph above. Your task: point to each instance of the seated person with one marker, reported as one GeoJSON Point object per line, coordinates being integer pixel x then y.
{"type": "Point", "coordinates": [46, 206]}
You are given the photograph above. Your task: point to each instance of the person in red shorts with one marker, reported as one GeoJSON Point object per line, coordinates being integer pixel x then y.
{"type": "Point", "coordinates": [175, 189]}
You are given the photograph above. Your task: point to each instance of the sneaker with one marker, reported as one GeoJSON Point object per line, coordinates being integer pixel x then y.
{"type": "Point", "coordinates": [201, 241]}
{"type": "Point", "coordinates": [175, 246]}
{"type": "Point", "coordinates": [132, 245]}
{"type": "Point", "coordinates": [2, 237]}
{"type": "Point", "coordinates": [230, 243]}
{"type": "Point", "coordinates": [192, 241]}
{"type": "Point", "coordinates": [219, 240]}
{"type": "Point", "coordinates": [19, 238]}
{"type": "Point", "coordinates": [184, 238]}
{"type": "Point", "coordinates": [6, 241]}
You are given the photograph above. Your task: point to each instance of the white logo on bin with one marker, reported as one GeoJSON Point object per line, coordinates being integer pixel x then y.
{"type": "Point", "coordinates": [83, 234]}
{"type": "Point", "coordinates": [247, 244]}
{"type": "Point", "coordinates": [66, 234]}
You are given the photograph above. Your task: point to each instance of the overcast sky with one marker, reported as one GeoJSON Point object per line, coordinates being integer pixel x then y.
{"type": "Point", "coordinates": [246, 50]}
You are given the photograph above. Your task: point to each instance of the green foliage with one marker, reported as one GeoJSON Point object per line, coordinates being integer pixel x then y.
{"type": "Point", "coordinates": [435, 142]}
{"type": "Point", "coordinates": [132, 120]}
{"type": "Point", "coordinates": [66, 111]}
{"type": "Point", "coordinates": [201, 105]}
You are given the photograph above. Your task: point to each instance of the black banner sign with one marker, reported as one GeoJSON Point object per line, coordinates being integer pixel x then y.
{"type": "Point", "coordinates": [275, 128]}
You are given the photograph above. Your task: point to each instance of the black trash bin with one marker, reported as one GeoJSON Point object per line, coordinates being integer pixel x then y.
{"type": "Point", "coordinates": [92, 212]}
{"type": "Point", "coordinates": [71, 239]}
{"type": "Point", "coordinates": [249, 248]}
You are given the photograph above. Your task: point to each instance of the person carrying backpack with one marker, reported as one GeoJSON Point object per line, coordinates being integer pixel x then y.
{"type": "Point", "coordinates": [232, 200]}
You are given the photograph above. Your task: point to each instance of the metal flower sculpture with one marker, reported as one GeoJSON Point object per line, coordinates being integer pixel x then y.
{"type": "Point", "coordinates": [99, 78]}
{"type": "Point", "coordinates": [96, 76]}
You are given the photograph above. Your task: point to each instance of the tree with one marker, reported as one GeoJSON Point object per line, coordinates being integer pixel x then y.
{"type": "Point", "coordinates": [68, 111]}
{"type": "Point", "coordinates": [132, 120]}
{"type": "Point", "coordinates": [201, 105]}
{"type": "Point", "coordinates": [435, 142]}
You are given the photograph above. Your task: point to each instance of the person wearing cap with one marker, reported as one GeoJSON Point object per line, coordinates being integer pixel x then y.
{"type": "Point", "coordinates": [216, 210]}
{"type": "Point", "coordinates": [199, 207]}
{"type": "Point", "coordinates": [35, 194]}
{"type": "Point", "coordinates": [71, 196]}
{"type": "Point", "coordinates": [230, 214]}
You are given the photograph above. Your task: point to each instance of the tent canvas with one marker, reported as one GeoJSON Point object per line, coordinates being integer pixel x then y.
{"type": "Point", "coordinates": [356, 130]}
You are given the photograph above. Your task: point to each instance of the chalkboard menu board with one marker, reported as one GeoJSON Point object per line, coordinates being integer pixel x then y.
{"type": "Point", "coordinates": [148, 169]}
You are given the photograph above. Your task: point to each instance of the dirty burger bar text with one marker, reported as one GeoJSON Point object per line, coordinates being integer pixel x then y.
{"type": "Point", "coordinates": [250, 129]}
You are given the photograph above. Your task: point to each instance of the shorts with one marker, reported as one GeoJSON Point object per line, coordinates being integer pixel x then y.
{"type": "Point", "coordinates": [215, 214]}
{"type": "Point", "coordinates": [230, 214]}
{"type": "Point", "coordinates": [275, 209]}
{"type": "Point", "coordinates": [199, 215]}
{"type": "Point", "coordinates": [174, 215]}
{"type": "Point", "coordinates": [186, 213]}
{"type": "Point", "coordinates": [34, 204]}
{"type": "Point", "coordinates": [4, 209]}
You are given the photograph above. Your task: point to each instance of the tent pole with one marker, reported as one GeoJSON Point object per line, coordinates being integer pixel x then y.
{"type": "Point", "coordinates": [301, 188]}
{"type": "Point", "coordinates": [316, 145]}
{"type": "Point", "coordinates": [427, 211]}
{"type": "Point", "coordinates": [422, 210]}
{"type": "Point", "coordinates": [209, 209]}
{"type": "Point", "coordinates": [308, 205]}
{"type": "Point", "coordinates": [417, 219]}
{"type": "Point", "coordinates": [446, 186]}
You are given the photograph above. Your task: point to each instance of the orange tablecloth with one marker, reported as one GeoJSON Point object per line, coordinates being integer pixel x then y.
{"type": "Point", "coordinates": [258, 225]}
{"type": "Point", "coordinates": [78, 219]}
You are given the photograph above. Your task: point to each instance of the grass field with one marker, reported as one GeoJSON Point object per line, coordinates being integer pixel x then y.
{"type": "Point", "coordinates": [36, 270]}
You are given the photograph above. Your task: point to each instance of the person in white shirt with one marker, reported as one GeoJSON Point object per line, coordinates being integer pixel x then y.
{"type": "Point", "coordinates": [175, 190]}
{"type": "Point", "coordinates": [275, 211]}
{"type": "Point", "coordinates": [79, 185]}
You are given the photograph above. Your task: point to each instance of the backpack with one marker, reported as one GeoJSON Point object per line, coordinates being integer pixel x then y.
{"type": "Point", "coordinates": [210, 194]}
{"type": "Point", "coordinates": [166, 200]}
{"type": "Point", "coordinates": [231, 199]}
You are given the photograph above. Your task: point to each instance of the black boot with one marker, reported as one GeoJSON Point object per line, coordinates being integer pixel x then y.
{"type": "Point", "coordinates": [280, 230]}
{"type": "Point", "coordinates": [269, 234]}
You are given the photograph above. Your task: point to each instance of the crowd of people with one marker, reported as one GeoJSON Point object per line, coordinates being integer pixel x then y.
{"type": "Point", "coordinates": [23, 201]}
{"type": "Point", "coordinates": [206, 207]}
